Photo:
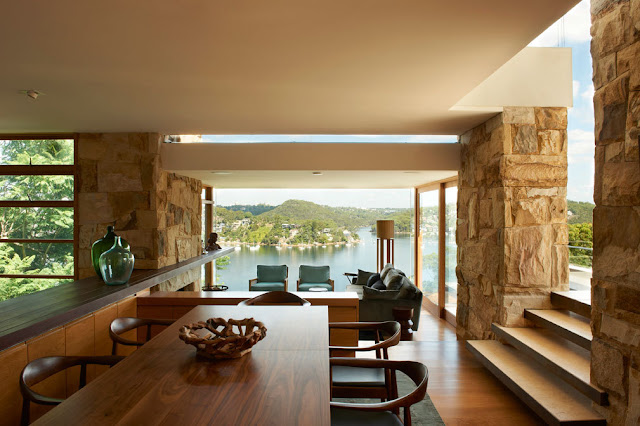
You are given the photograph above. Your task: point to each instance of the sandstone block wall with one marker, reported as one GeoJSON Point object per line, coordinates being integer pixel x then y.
{"type": "Point", "coordinates": [121, 183]}
{"type": "Point", "coordinates": [615, 319]}
{"type": "Point", "coordinates": [512, 234]}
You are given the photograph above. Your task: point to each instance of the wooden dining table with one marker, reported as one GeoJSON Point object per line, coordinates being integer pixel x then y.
{"type": "Point", "coordinates": [284, 380]}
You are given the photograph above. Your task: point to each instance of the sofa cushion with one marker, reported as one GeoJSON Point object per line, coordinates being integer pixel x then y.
{"type": "Point", "coordinates": [371, 293]}
{"type": "Point", "coordinates": [272, 273]}
{"type": "Point", "coordinates": [379, 285]}
{"type": "Point", "coordinates": [373, 279]}
{"type": "Point", "coordinates": [363, 277]}
{"type": "Point", "coordinates": [393, 280]}
{"type": "Point", "coordinates": [407, 289]}
{"type": "Point", "coordinates": [386, 270]}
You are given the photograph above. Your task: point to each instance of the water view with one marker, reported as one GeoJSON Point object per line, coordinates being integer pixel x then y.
{"type": "Point", "coordinates": [341, 259]}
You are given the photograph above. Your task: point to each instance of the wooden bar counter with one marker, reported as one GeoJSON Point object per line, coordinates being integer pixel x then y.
{"type": "Point", "coordinates": [343, 306]}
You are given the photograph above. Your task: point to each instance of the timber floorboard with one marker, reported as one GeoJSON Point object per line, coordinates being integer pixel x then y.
{"type": "Point", "coordinates": [462, 390]}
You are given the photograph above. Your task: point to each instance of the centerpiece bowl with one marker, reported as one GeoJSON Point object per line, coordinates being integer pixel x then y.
{"type": "Point", "coordinates": [216, 338]}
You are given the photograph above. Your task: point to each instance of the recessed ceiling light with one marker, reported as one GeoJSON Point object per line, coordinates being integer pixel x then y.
{"type": "Point", "coordinates": [411, 172]}
{"type": "Point", "coordinates": [32, 93]}
{"type": "Point", "coordinates": [317, 173]}
{"type": "Point", "coordinates": [221, 173]}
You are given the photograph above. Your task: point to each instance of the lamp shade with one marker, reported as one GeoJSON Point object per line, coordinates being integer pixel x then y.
{"type": "Point", "coordinates": [384, 229]}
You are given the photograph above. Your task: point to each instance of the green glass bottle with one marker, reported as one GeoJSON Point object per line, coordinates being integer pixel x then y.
{"type": "Point", "coordinates": [103, 244]}
{"type": "Point", "coordinates": [116, 264]}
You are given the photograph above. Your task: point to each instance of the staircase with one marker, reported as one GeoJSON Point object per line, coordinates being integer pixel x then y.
{"type": "Point", "coordinates": [548, 367]}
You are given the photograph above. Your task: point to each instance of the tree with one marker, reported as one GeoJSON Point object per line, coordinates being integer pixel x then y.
{"type": "Point", "coordinates": [581, 235]}
{"type": "Point", "coordinates": [35, 223]}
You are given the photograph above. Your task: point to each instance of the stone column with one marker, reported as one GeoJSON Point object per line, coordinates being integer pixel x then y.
{"type": "Point", "coordinates": [512, 232]}
{"type": "Point", "coordinates": [121, 183]}
{"type": "Point", "coordinates": [615, 316]}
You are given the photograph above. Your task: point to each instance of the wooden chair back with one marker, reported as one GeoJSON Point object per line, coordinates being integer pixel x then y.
{"type": "Point", "coordinates": [416, 371]}
{"type": "Point", "coordinates": [275, 298]}
{"type": "Point", "coordinates": [42, 368]}
{"type": "Point", "coordinates": [121, 325]}
{"type": "Point", "coordinates": [387, 334]}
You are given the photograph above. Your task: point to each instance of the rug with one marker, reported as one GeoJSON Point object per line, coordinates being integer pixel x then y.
{"type": "Point", "coordinates": [423, 413]}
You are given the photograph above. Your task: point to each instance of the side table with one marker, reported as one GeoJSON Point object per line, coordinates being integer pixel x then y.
{"type": "Point", "coordinates": [403, 315]}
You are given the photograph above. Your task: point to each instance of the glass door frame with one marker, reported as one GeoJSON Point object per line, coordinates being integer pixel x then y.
{"type": "Point", "coordinates": [440, 186]}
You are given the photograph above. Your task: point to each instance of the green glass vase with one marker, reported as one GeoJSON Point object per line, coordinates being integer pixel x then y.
{"type": "Point", "coordinates": [103, 244]}
{"type": "Point", "coordinates": [116, 264]}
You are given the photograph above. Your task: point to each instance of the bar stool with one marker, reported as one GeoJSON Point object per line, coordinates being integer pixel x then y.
{"type": "Point", "coordinates": [42, 368]}
{"type": "Point", "coordinates": [121, 325]}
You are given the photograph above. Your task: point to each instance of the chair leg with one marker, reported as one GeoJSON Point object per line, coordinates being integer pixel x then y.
{"type": "Point", "coordinates": [114, 348]}
{"type": "Point", "coordinates": [407, 416]}
{"type": "Point", "coordinates": [83, 375]}
{"type": "Point", "coordinates": [26, 411]}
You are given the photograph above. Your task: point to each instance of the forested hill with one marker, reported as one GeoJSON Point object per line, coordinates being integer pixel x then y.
{"type": "Point", "coordinates": [582, 212]}
{"type": "Point", "coordinates": [253, 209]}
{"type": "Point", "coordinates": [297, 211]}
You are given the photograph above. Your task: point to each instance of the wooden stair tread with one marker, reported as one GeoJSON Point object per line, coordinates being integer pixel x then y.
{"type": "Point", "coordinates": [567, 360]}
{"type": "Point", "coordinates": [575, 301]}
{"type": "Point", "coordinates": [566, 324]}
{"type": "Point", "coordinates": [551, 398]}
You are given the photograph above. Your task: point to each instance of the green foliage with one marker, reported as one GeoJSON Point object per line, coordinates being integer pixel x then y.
{"type": "Point", "coordinates": [582, 212]}
{"type": "Point", "coordinates": [581, 235]}
{"type": "Point", "coordinates": [35, 223]}
{"type": "Point", "coordinates": [253, 209]}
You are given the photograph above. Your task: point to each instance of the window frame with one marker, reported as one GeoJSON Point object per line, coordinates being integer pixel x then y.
{"type": "Point", "coordinates": [45, 170]}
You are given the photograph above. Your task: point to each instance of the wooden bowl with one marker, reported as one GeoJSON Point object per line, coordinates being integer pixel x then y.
{"type": "Point", "coordinates": [220, 341]}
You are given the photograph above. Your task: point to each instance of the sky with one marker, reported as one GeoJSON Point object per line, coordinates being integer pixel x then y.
{"type": "Point", "coordinates": [570, 31]}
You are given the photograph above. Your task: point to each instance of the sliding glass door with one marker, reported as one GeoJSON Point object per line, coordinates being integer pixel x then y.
{"type": "Point", "coordinates": [436, 250]}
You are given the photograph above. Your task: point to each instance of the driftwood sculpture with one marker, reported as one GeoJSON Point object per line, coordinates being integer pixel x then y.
{"type": "Point", "coordinates": [220, 340]}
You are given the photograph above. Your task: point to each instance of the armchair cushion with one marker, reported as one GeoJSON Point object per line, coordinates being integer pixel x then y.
{"type": "Point", "coordinates": [347, 417]}
{"type": "Point", "coordinates": [385, 270]}
{"type": "Point", "coordinates": [272, 273]}
{"type": "Point", "coordinates": [363, 277]}
{"type": "Point", "coordinates": [314, 274]}
{"type": "Point", "coordinates": [307, 286]}
{"type": "Point", "coordinates": [357, 376]}
{"type": "Point", "coordinates": [267, 286]}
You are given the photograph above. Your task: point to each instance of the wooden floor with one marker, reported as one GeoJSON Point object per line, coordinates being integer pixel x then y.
{"type": "Point", "coordinates": [463, 391]}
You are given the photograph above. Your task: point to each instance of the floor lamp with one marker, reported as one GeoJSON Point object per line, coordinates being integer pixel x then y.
{"type": "Point", "coordinates": [384, 232]}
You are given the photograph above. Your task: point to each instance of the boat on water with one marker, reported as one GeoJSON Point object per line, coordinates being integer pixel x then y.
{"type": "Point", "coordinates": [252, 248]}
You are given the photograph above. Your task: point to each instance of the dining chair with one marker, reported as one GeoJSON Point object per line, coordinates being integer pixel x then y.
{"type": "Point", "coordinates": [314, 277]}
{"type": "Point", "coordinates": [275, 298]}
{"type": "Point", "coordinates": [382, 413]}
{"type": "Point", "coordinates": [354, 382]}
{"type": "Point", "coordinates": [121, 325]}
{"type": "Point", "coordinates": [270, 278]}
{"type": "Point", "coordinates": [40, 369]}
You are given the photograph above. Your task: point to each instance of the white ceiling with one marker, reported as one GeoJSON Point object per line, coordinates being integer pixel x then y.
{"type": "Point", "coordinates": [256, 66]}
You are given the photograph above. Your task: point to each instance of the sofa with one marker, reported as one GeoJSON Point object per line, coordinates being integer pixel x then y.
{"type": "Point", "coordinates": [380, 293]}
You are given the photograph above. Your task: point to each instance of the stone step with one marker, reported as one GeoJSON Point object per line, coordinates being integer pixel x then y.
{"type": "Point", "coordinates": [555, 401]}
{"type": "Point", "coordinates": [572, 327]}
{"type": "Point", "coordinates": [574, 301]}
{"type": "Point", "coordinates": [563, 358]}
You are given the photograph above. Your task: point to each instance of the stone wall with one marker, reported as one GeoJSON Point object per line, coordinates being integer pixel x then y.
{"type": "Point", "coordinates": [512, 233]}
{"type": "Point", "coordinates": [615, 351]}
{"type": "Point", "coordinates": [121, 183]}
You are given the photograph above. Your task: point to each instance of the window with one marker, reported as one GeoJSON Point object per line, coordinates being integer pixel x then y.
{"type": "Point", "coordinates": [37, 232]}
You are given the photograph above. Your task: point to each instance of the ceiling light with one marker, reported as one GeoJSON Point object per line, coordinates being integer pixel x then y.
{"type": "Point", "coordinates": [32, 93]}
{"type": "Point", "coordinates": [317, 173]}
{"type": "Point", "coordinates": [221, 173]}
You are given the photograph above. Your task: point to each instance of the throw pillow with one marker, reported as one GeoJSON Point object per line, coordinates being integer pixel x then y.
{"type": "Point", "coordinates": [371, 294]}
{"type": "Point", "coordinates": [363, 277]}
{"type": "Point", "coordinates": [386, 270]}
{"type": "Point", "coordinates": [379, 286]}
{"type": "Point", "coordinates": [393, 280]}
{"type": "Point", "coordinates": [407, 289]}
{"type": "Point", "coordinates": [373, 279]}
